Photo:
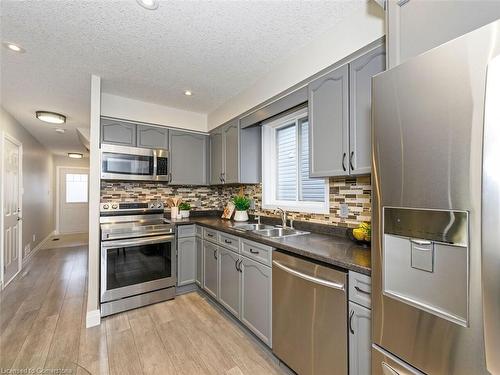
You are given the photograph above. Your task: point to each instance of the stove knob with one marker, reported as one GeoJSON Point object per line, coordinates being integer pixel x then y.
{"type": "Point", "coordinates": [106, 206]}
{"type": "Point", "coordinates": [151, 205]}
{"type": "Point", "coordinates": [114, 206]}
{"type": "Point", "coordinates": [159, 205]}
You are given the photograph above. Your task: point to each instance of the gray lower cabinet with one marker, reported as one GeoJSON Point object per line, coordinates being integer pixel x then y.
{"type": "Point", "coordinates": [216, 157]}
{"type": "Point", "coordinates": [361, 72]}
{"type": "Point", "coordinates": [186, 261]}
{"type": "Point", "coordinates": [229, 281]}
{"type": "Point", "coordinates": [230, 134]}
{"type": "Point", "coordinates": [256, 302]}
{"type": "Point", "coordinates": [199, 261]}
{"type": "Point", "coordinates": [359, 340]}
{"type": "Point", "coordinates": [329, 124]}
{"type": "Point", "coordinates": [118, 132]}
{"type": "Point", "coordinates": [152, 137]}
{"type": "Point", "coordinates": [188, 153]}
{"type": "Point", "coordinates": [210, 268]}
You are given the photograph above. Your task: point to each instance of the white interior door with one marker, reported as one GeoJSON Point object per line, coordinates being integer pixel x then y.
{"type": "Point", "coordinates": [73, 200]}
{"type": "Point", "coordinates": [12, 227]}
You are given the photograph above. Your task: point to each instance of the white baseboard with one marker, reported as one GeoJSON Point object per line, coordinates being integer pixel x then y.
{"type": "Point", "coordinates": [93, 318]}
{"type": "Point", "coordinates": [38, 247]}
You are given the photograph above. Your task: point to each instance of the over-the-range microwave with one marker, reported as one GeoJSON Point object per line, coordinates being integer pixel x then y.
{"type": "Point", "coordinates": [133, 163]}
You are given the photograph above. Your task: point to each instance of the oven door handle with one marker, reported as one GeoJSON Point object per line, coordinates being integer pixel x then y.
{"type": "Point", "coordinates": [105, 245]}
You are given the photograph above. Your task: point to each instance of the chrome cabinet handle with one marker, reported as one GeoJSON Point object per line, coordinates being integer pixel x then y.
{"type": "Point", "coordinates": [236, 265]}
{"type": "Point", "coordinates": [239, 266]}
{"type": "Point", "coordinates": [223, 177]}
{"type": "Point", "coordinates": [359, 290]}
{"type": "Point", "coordinates": [350, 322]}
{"type": "Point", "coordinates": [316, 280]}
{"type": "Point", "coordinates": [254, 251]}
{"type": "Point", "coordinates": [420, 242]}
{"type": "Point", "coordinates": [227, 241]}
{"type": "Point", "coordinates": [210, 235]}
{"type": "Point", "coordinates": [350, 160]}
{"type": "Point", "coordinates": [343, 162]}
{"type": "Point", "coordinates": [215, 254]}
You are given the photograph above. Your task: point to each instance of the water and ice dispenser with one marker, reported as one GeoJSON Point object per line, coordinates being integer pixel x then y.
{"type": "Point", "coordinates": [426, 260]}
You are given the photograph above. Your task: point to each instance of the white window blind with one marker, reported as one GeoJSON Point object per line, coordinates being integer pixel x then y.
{"type": "Point", "coordinates": [286, 181]}
{"type": "Point", "coordinates": [77, 188]}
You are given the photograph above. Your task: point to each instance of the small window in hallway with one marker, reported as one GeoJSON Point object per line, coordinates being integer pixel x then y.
{"type": "Point", "coordinates": [77, 188]}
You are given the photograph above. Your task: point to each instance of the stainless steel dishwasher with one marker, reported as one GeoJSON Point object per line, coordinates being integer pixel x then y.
{"type": "Point", "coordinates": [309, 316]}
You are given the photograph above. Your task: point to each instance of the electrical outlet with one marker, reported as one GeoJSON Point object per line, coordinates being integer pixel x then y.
{"type": "Point", "coordinates": [34, 237]}
{"type": "Point", "coordinates": [344, 210]}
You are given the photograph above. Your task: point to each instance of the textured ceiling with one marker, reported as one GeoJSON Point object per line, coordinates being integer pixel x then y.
{"type": "Point", "coordinates": [214, 48]}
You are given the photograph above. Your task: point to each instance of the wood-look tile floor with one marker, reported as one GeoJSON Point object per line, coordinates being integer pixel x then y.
{"type": "Point", "coordinates": [42, 326]}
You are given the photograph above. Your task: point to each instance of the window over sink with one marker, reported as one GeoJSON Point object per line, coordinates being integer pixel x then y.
{"type": "Point", "coordinates": [285, 166]}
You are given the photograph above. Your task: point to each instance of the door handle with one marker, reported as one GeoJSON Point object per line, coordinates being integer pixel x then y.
{"type": "Point", "coordinates": [215, 254]}
{"type": "Point", "coordinates": [350, 160]}
{"type": "Point", "coordinates": [313, 279]}
{"type": "Point", "coordinates": [350, 322]}
{"type": "Point", "coordinates": [343, 162]}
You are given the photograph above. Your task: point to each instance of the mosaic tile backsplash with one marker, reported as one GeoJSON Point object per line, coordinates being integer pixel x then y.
{"type": "Point", "coordinates": [355, 192]}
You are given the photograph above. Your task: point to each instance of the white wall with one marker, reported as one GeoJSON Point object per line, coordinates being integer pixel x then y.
{"type": "Point", "coordinates": [38, 213]}
{"type": "Point", "coordinates": [347, 37]}
{"type": "Point", "coordinates": [132, 109]}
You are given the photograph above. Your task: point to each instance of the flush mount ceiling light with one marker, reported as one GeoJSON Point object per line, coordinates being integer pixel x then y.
{"type": "Point", "coordinates": [50, 117]}
{"type": "Point", "coordinates": [148, 4]}
{"type": "Point", "coordinates": [188, 93]}
{"type": "Point", "coordinates": [75, 155]}
{"type": "Point", "coordinates": [14, 47]}
{"type": "Point", "coordinates": [60, 131]}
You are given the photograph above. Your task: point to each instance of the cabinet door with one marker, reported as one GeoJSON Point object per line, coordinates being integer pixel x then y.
{"type": "Point", "coordinates": [188, 158]}
{"type": "Point", "coordinates": [329, 124]}
{"type": "Point", "coordinates": [210, 263]}
{"type": "Point", "coordinates": [186, 261]}
{"type": "Point", "coordinates": [361, 72]}
{"type": "Point", "coordinates": [229, 281]}
{"type": "Point", "coordinates": [359, 340]}
{"type": "Point", "coordinates": [231, 154]}
{"type": "Point", "coordinates": [152, 137]}
{"type": "Point", "coordinates": [199, 261]}
{"type": "Point", "coordinates": [216, 159]}
{"type": "Point", "coordinates": [256, 298]}
{"type": "Point", "coordinates": [118, 133]}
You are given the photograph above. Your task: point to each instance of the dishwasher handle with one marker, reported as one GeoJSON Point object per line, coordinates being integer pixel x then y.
{"type": "Point", "coordinates": [313, 279]}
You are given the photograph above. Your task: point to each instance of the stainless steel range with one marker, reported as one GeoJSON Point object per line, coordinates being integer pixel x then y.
{"type": "Point", "coordinates": [137, 256]}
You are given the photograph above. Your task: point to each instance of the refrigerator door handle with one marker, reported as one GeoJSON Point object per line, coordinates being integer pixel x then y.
{"type": "Point", "coordinates": [490, 236]}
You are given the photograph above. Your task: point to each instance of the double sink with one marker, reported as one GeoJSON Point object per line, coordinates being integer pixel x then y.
{"type": "Point", "coordinates": [269, 230]}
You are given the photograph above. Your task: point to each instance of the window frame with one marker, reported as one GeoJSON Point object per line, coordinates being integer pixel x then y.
{"type": "Point", "coordinates": [66, 185]}
{"type": "Point", "coordinates": [270, 172]}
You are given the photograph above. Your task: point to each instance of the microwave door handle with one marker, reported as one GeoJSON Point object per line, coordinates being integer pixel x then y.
{"type": "Point", "coordinates": [155, 164]}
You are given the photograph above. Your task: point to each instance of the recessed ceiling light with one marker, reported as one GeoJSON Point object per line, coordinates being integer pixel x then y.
{"type": "Point", "coordinates": [75, 155]}
{"type": "Point", "coordinates": [51, 117]}
{"type": "Point", "coordinates": [14, 47]}
{"type": "Point", "coordinates": [148, 4]}
{"type": "Point", "coordinates": [188, 93]}
{"type": "Point", "coordinates": [60, 131]}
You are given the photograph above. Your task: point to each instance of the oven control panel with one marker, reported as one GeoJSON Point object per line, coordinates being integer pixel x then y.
{"type": "Point", "coordinates": [131, 206]}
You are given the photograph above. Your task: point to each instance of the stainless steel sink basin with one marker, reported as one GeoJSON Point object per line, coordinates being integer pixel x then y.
{"type": "Point", "coordinates": [279, 232]}
{"type": "Point", "coordinates": [252, 227]}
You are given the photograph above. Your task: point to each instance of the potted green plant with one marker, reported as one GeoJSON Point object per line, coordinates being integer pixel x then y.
{"type": "Point", "coordinates": [241, 204]}
{"type": "Point", "coordinates": [184, 209]}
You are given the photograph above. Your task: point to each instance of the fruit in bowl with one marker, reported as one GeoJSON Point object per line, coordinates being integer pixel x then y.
{"type": "Point", "coordinates": [363, 232]}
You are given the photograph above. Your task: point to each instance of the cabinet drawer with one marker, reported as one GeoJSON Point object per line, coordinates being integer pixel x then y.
{"type": "Point", "coordinates": [186, 231]}
{"type": "Point", "coordinates": [260, 253]}
{"type": "Point", "coordinates": [360, 289]}
{"type": "Point", "coordinates": [210, 234]}
{"type": "Point", "coordinates": [228, 241]}
{"type": "Point", "coordinates": [198, 230]}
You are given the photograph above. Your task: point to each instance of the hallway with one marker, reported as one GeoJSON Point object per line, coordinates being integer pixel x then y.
{"type": "Point", "coordinates": [42, 325]}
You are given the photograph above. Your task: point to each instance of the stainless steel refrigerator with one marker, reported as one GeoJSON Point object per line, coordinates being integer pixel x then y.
{"type": "Point", "coordinates": [436, 211]}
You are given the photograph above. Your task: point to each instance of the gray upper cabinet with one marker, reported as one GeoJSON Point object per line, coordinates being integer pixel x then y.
{"type": "Point", "coordinates": [443, 20]}
{"type": "Point", "coordinates": [256, 300]}
{"type": "Point", "coordinates": [329, 124]}
{"type": "Point", "coordinates": [118, 132]}
{"type": "Point", "coordinates": [186, 261]}
{"type": "Point", "coordinates": [229, 281]}
{"type": "Point", "coordinates": [210, 268]}
{"type": "Point", "coordinates": [231, 152]}
{"type": "Point", "coordinates": [216, 157]}
{"type": "Point", "coordinates": [359, 340]}
{"type": "Point", "coordinates": [188, 153]}
{"type": "Point", "coordinates": [152, 137]}
{"type": "Point", "coordinates": [361, 72]}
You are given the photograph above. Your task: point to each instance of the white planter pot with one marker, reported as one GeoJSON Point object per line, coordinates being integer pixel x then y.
{"type": "Point", "coordinates": [184, 213]}
{"type": "Point", "coordinates": [241, 216]}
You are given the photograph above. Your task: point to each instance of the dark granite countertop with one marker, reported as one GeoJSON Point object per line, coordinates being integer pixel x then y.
{"type": "Point", "coordinates": [335, 250]}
